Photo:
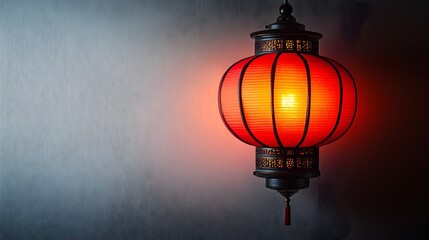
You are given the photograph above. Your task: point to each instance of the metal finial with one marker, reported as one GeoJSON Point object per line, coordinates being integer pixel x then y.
{"type": "Point", "coordinates": [285, 13]}
{"type": "Point", "coordinates": [286, 9]}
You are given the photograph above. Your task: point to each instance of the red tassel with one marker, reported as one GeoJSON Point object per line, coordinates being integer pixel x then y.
{"type": "Point", "coordinates": [287, 212]}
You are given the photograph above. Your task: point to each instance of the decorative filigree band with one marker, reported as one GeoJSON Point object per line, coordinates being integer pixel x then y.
{"type": "Point", "coordinates": [286, 45]}
{"type": "Point", "coordinates": [287, 158]}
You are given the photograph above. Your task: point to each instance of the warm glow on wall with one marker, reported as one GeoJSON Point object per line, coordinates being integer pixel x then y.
{"type": "Point", "coordinates": [287, 101]}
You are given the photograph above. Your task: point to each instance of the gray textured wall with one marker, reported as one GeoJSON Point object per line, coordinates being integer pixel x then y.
{"type": "Point", "coordinates": [109, 127]}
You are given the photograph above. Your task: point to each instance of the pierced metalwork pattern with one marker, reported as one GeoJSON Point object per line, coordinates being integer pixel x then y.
{"type": "Point", "coordinates": [287, 158]}
{"type": "Point", "coordinates": [290, 163]}
{"type": "Point", "coordinates": [304, 163]}
{"type": "Point", "coordinates": [269, 162]}
{"type": "Point", "coordinates": [270, 45]}
{"type": "Point", "coordinates": [290, 45]}
{"type": "Point", "coordinates": [286, 45]}
{"type": "Point", "coordinates": [269, 151]}
{"type": "Point", "coordinates": [303, 46]}
{"type": "Point", "coordinates": [305, 151]}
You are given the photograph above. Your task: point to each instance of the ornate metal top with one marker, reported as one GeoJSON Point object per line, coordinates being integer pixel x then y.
{"type": "Point", "coordinates": [286, 35]}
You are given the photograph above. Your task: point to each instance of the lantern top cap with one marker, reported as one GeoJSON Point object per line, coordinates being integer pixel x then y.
{"type": "Point", "coordinates": [286, 24]}
{"type": "Point", "coordinates": [286, 20]}
{"type": "Point", "coordinates": [284, 29]}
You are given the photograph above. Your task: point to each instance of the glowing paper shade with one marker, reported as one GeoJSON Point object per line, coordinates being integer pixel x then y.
{"type": "Point", "coordinates": [287, 100]}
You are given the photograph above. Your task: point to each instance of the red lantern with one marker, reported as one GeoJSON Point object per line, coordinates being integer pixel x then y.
{"type": "Point", "coordinates": [287, 101]}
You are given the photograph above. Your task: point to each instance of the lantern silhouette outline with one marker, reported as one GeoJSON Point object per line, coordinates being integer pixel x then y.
{"type": "Point", "coordinates": [287, 100]}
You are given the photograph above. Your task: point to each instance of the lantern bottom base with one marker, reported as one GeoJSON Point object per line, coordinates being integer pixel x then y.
{"type": "Point", "coordinates": [287, 170]}
{"type": "Point", "coordinates": [288, 184]}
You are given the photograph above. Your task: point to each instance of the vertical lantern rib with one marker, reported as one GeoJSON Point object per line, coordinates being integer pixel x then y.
{"type": "Point", "coordinates": [340, 81]}
{"type": "Point", "coordinates": [220, 105]}
{"type": "Point", "coordinates": [273, 76]}
{"type": "Point", "coordinates": [240, 101]}
{"type": "Point", "coordinates": [307, 118]}
{"type": "Point", "coordinates": [356, 100]}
